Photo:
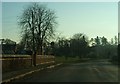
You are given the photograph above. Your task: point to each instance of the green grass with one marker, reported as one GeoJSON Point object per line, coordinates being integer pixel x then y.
{"type": "Point", "coordinates": [61, 59]}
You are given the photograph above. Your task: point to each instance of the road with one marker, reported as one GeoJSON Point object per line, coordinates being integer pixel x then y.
{"type": "Point", "coordinates": [92, 71]}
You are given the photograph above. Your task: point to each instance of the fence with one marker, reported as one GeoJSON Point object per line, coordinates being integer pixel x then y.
{"type": "Point", "coordinates": [14, 62]}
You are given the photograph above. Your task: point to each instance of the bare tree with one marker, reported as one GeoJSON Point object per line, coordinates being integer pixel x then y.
{"type": "Point", "coordinates": [116, 40]}
{"type": "Point", "coordinates": [104, 41]}
{"type": "Point", "coordinates": [38, 21]}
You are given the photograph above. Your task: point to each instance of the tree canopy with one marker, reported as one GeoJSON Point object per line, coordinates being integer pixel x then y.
{"type": "Point", "coordinates": [38, 25]}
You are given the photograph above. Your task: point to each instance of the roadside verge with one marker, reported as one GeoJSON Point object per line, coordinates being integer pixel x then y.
{"type": "Point", "coordinates": [23, 73]}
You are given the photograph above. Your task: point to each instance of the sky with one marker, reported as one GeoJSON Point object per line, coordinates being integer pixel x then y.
{"type": "Point", "coordinates": [91, 18]}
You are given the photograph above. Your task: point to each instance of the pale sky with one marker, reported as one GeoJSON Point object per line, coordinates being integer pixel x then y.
{"type": "Point", "coordinates": [91, 18]}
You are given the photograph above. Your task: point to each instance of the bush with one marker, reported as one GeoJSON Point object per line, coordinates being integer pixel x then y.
{"type": "Point", "coordinates": [114, 59]}
{"type": "Point", "coordinates": [92, 55]}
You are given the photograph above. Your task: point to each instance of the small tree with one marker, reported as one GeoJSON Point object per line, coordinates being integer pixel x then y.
{"type": "Point", "coordinates": [79, 45]}
{"type": "Point", "coordinates": [104, 41]}
{"type": "Point", "coordinates": [97, 41]}
{"type": "Point", "coordinates": [116, 40]}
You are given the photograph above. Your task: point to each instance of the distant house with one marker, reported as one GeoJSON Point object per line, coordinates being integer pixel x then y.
{"type": "Point", "coordinates": [8, 46]}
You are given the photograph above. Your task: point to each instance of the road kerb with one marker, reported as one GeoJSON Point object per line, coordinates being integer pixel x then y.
{"type": "Point", "coordinates": [30, 72]}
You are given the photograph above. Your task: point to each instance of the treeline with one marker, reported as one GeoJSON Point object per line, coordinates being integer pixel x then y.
{"type": "Point", "coordinates": [79, 45]}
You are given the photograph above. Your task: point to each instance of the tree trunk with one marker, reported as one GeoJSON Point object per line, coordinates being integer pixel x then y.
{"type": "Point", "coordinates": [33, 39]}
{"type": "Point", "coordinates": [34, 58]}
{"type": "Point", "coordinates": [39, 47]}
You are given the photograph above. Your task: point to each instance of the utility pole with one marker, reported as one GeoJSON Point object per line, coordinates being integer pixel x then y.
{"type": "Point", "coordinates": [119, 38]}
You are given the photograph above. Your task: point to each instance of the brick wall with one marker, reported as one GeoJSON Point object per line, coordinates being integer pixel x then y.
{"type": "Point", "coordinates": [16, 62]}
{"type": "Point", "coordinates": [40, 59]}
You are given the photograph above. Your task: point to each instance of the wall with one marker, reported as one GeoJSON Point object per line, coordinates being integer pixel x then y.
{"type": "Point", "coordinates": [44, 59]}
{"type": "Point", "coordinates": [16, 62]}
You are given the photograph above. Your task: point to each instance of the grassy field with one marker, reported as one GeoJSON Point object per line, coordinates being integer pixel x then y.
{"type": "Point", "coordinates": [62, 59]}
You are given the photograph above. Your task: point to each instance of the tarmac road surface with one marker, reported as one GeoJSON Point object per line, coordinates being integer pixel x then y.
{"type": "Point", "coordinates": [92, 71]}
